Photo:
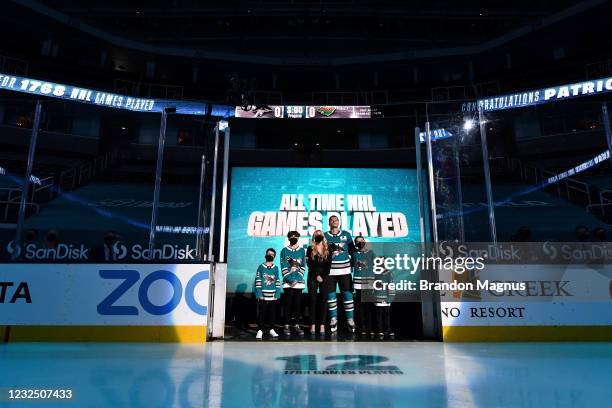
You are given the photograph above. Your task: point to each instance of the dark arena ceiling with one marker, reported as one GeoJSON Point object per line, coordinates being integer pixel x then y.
{"type": "Point", "coordinates": [277, 31]}
{"type": "Point", "coordinates": [294, 49]}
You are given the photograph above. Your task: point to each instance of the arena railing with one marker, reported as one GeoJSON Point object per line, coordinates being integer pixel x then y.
{"type": "Point", "coordinates": [148, 89]}
{"type": "Point", "coordinates": [566, 188]}
{"type": "Point", "coordinates": [31, 208]}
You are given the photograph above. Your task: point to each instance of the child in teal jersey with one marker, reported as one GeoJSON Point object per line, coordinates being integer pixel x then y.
{"type": "Point", "coordinates": [267, 292]}
{"type": "Point", "coordinates": [293, 265]}
{"type": "Point", "coordinates": [363, 276]}
{"type": "Point", "coordinates": [384, 297]}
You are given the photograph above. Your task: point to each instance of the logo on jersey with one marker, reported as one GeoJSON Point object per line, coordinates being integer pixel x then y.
{"type": "Point", "coordinates": [294, 263]}
{"type": "Point", "coordinates": [270, 279]}
{"type": "Point", "coordinates": [336, 249]}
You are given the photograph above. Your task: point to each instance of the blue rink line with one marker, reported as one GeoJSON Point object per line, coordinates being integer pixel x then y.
{"type": "Point", "coordinates": [311, 374]}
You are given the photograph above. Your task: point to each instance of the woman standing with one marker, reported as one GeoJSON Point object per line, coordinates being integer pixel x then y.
{"type": "Point", "coordinates": [318, 259]}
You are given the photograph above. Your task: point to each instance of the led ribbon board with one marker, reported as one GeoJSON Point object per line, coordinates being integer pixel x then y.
{"type": "Point", "coordinates": [99, 98]}
{"type": "Point", "coordinates": [304, 112]}
{"type": "Point", "coordinates": [545, 95]}
{"type": "Point", "coordinates": [600, 158]}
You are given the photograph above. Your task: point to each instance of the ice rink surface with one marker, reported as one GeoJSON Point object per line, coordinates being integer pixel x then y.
{"type": "Point", "coordinates": [312, 374]}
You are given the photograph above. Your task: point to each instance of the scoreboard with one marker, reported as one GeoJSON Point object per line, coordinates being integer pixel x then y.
{"type": "Point", "coordinates": [305, 112]}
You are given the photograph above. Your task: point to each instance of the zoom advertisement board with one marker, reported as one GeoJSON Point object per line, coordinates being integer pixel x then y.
{"type": "Point", "coordinates": [139, 300]}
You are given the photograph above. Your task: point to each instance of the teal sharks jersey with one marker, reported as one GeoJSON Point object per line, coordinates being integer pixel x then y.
{"type": "Point", "coordinates": [293, 266]}
{"type": "Point", "coordinates": [267, 282]}
{"type": "Point", "coordinates": [363, 269]}
{"type": "Point", "coordinates": [341, 248]}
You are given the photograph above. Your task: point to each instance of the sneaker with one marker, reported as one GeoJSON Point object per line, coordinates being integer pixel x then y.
{"type": "Point", "coordinates": [391, 335]}
{"type": "Point", "coordinates": [298, 330]}
{"type": "Point", "coordinates": [351, 325]}
{"type": "Point", "coordinates": [259, 335]}
{"type": "Point", "coordinates": [381, 335]}
{"type": "Point", "coordinates": [273, 334]}
{"type": "Point", "coordinates": [286, 330]}
{"type": "Point", "coordinates": [333, 324]}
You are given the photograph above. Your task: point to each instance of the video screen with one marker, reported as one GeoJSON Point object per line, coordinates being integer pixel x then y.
{"type": "Point", "coordinates": [266, 203]}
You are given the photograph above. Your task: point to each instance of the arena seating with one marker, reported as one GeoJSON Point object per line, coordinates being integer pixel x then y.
{"type": "Point", "coordinates": [85, 214]}
{"type": "Point", "coordinates": [545, 214]}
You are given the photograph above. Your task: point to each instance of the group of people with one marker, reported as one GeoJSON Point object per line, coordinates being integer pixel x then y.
{"type": "Point", "coordinates": [334, 260]}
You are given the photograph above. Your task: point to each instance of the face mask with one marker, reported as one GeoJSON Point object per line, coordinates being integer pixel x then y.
{"type": "Point", "coordinates": [359, 245]}
{"type": "Point", "coordinates": [269, 258]}
{"type": "Point", "coordinates": [318, 239]}
{"type": "Point", "coordinates": [293, 241]}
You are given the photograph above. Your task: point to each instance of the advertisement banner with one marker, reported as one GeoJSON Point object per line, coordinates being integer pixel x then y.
{"type": "Point", "coordinates": [122, 296]}
{"type": "Point", "coordinates": [522, 313]}
{"type": "Point", "coordinates": [527, 291]}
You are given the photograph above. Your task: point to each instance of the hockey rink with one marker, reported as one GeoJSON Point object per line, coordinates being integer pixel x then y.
{"type": "Point", "coordinates": [312, 374]}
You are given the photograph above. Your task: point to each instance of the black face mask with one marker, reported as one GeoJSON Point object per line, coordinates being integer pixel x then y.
{"type": "Point", "coordinates": [359, 245]}
{"type": "Point", "coordinates": [269, 258]}
{"type": "Point", "coordinates": [318, 239]}
{"type": "Point", "coordinates": [293, 240]}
